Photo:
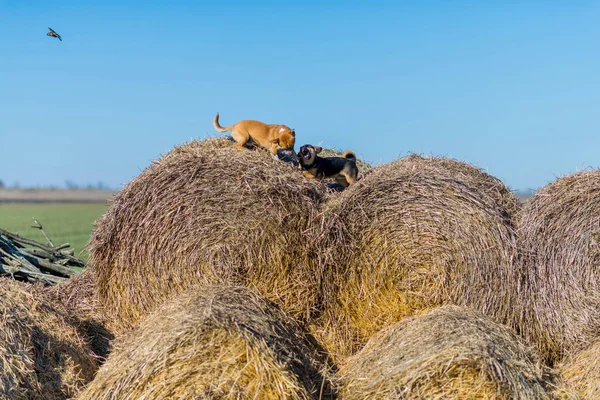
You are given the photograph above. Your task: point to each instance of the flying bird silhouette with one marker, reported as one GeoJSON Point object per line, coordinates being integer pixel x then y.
{"type": "Point", "coordinates": [54, 34]}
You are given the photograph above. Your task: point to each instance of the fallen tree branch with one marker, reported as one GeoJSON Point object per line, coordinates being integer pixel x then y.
{"type": "Point", "coordinates": [39, 226]}
{"type": "Point", "coordinates": [28, 260]}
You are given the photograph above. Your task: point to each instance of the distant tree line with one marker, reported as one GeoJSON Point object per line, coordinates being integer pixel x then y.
{"type": "Point", "coordinates": [69, 184]}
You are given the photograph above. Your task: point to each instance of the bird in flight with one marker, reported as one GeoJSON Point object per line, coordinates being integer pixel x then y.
{"type": "Point", "coordinates": [54, 34]}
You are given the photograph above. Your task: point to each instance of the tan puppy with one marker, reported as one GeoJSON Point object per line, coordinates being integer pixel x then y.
{"type": "Point", "coordinates": [269, 136]}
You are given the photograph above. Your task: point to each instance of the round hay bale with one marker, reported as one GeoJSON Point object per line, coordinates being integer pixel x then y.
{"type": "Point", "coordinates": [207, 212]}
{"type": "Point", "coordinates": [41, 355]}
{"type": "Point", "coordinates": [449, 353]}
{"type": "Point", "coordinates": [580, 375]}
{"type": "Point", "coordinates": [473, 176]}
{"type": "Point", "coordinates": [404, 239]}
{"type": "Point", "coordinates": [79, 297]}
{"type": "Point", "coordinates": [559, 238]}
{"type": "Point", "coordinates": [213, 342]}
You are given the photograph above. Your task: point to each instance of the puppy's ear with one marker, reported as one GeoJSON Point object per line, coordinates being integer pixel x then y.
{"type": "Point", "coordinates": [318, 149]}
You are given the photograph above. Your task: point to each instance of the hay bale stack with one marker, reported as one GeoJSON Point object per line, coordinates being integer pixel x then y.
{"type": "Point", "coordinates": [449, 353]}
{"type": "Point", "coordinates": [559, 237]}
{"type": "Point", "coordinates": [207, 212]}
{"type": "Point", "coordinates": [473, 176]}
{"type": "Point", "coordinates": [406, 239]}
{"type": "Point", "coordinates": [213, 342]}
{"type": "Point", "coordinates": [41, 355]}
{"type": "Point", "coordinates": [580, 375]}
{"type": "Point", "coordinates": [79, 297]}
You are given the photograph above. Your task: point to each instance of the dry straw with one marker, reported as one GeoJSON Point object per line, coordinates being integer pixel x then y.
{"type": "Point", "coordinates": [217, 343]}
{"type": "Point", "coordinates": [207, 212]}
{"type": "Point", "coordinates": [41, 355]}
{"type": "Point", "coordinates": [79, 297]}
{"type": "Point", "coordinates": [411, 235]}
{"type": "Point", "coordinates": [449, 353]}
{"type": "Point", "coordinates": [580, 375]}
{"type": "Point", "coordinates": [559, 238]}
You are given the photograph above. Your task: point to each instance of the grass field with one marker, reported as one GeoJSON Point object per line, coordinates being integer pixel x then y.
{"type": "Point", "coordinates": [63, 223]}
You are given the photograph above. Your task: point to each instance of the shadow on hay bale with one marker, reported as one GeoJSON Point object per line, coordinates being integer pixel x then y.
{"type": "Point", "coordinates": [448, 353]}
{"type": "Point", "coordinates": [559, 238]}
{"type": "Point", "coordinates": [580, 375]}
{"type": "Point", "coordinates": [79, 296]}
{"type": "Point", "coordinates": [213, 342]}
{"type": "Point", "coordinates": [405, 239]}
{"type": "Point", "coordinates": [41, 355]}
{"type": "Point", "coordinates": [206, 212]}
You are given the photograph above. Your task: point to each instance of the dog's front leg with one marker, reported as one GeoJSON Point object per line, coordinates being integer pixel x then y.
{"type": "Point", "coordinates": [273, 148]}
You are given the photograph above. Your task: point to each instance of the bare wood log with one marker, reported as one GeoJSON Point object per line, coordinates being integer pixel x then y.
{"type": "Point", "coordinates": [41, 254]}
{"type": "Point", "coordinates": [9, 251]}
{"type": "Point", "coordinates": [45, 264]}
{"type": "Point", "coordinates": [41, 277]}
{"type": "Point", "coordinates": [76, 262]}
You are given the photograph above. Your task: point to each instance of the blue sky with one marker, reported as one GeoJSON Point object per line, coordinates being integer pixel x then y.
{"type": "Point", "coordinates": [510, 86]}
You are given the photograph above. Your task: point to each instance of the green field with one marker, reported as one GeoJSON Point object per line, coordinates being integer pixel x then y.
{"type": "Point", "coordinates": [63, 223]}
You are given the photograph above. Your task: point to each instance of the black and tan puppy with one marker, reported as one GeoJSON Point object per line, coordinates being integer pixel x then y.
{"type": "Point", "coordinates": [343, 168]}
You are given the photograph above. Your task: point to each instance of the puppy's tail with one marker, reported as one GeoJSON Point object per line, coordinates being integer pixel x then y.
{"type": "Point", "coordinates": [219, 127]}
{"type": "Point", "coordinates": [349, 155]}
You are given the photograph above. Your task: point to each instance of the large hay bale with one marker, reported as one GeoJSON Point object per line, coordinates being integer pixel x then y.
{"type": "Point", "coordinates": [580, 375]}
{"type": "Point", "coordinates": [449, 353]}
{"type": "Point", "coordinates": [406, 239]}
{"type": "Point", "coordinates": [559, 237]}
{"type": "Point", "coordinates": [213, 342]}
{"type": "Point", "coordinates": [79, 297]}
{"type": "Point", "coordinates": [41, 355]}
{"type": "Point", "coordinates": [207, 212]}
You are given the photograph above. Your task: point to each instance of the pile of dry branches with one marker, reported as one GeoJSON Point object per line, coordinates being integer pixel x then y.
{"type": "Point", "coordinates": [27, 260]}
